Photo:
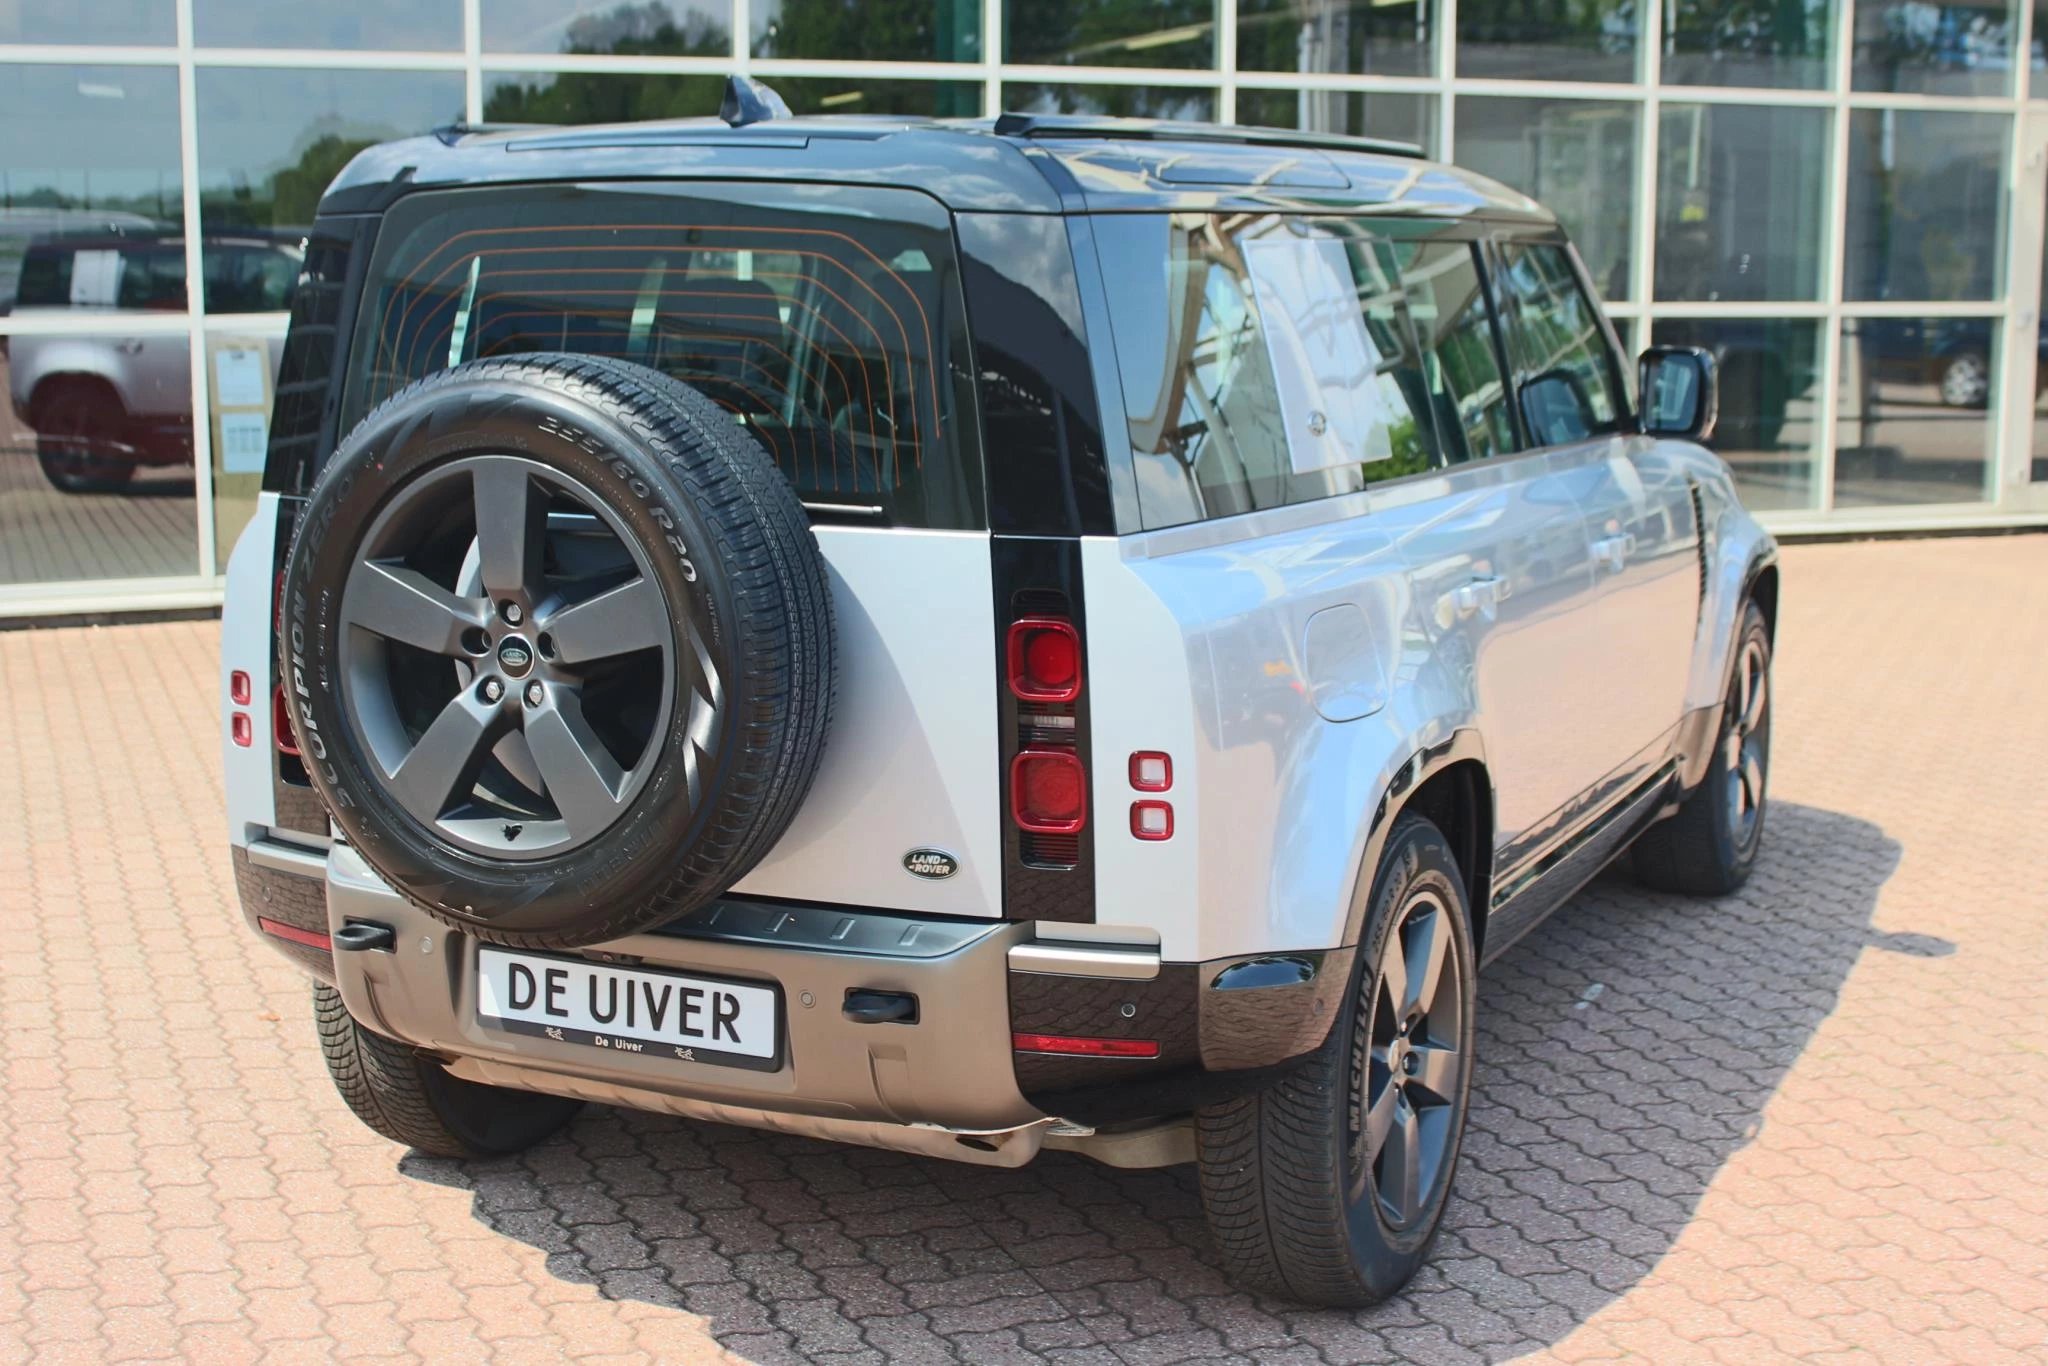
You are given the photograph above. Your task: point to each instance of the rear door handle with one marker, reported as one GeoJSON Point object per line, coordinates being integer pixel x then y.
{"type": "Point", "coordinates": [1614, 551]}
{"type": "Point", "coordinates": [1479, 595]}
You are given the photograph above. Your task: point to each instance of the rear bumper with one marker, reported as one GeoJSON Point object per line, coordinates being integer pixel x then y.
{"type": "Point", "coordinates": [950, 1084]}
{"type": "Point", "coordinates": [949, 1070]}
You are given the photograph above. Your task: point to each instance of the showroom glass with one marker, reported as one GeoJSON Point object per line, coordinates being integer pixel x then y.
{"type": "Point", "coordinates": [624, 97]}
{"type": "Point", "coordinates": [1769, 381]}
{"type": "Point", "coordinates": [873, 30]}
{"type": "Point", "coordinates": [1121, 101]}
{"type": "Point", "coordinates": [1375, 114]}
{"type": "Point", "coordinates": [1927, 204]}
{"type": "Point", "coordinates": [836, 338]}
{"type": "Point", "coordinates": [1740, 191]}
{"type": "Point", "coordinates": [1912, 415]}
{"type": "Point", "coordinates": [96, 476]}
{"type": "Point", "coordinates": [270, 141]}
{"type": "Point", "coordinates": [1564, 369]}
{"type": "Point", "coordinates": [1921, 48]}
{"type": "Point", "coordinates": [89, 163]}
{"type": "Point", "coordinates": [1548, 40]}
{"type": "Point", "coordinates": [1355, 37]}
{"type": "Point", "coordinates": [1156, 33]}
{"type": "Point", "coordinates": [70, 22]}
{"type": "Point", "coordinates": [663, 28]}
{"type": "Point", "coordinates": [1732, 42]}
{"type": "Point", "coordinates": [391, 25]}
{"type": "Point", "coordinates": [1577, 156]}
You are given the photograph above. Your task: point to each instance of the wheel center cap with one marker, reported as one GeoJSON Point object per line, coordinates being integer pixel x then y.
{"type": "Point", "coordinates": [515, 656]}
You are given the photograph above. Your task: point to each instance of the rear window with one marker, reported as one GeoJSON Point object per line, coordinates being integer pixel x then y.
{"type": "Point", "coordinates": [834, 336]}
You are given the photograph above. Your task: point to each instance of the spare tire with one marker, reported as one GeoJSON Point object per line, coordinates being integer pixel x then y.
{"type": "Point", "coordinates": [558, 645]}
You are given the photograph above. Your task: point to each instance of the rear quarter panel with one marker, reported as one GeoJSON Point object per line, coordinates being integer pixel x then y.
{"type": "Point", "coordinates": [1196, 648]}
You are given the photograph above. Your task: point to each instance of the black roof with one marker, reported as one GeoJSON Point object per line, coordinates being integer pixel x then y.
{"type": "Point", "coordinates": [1027, 163]}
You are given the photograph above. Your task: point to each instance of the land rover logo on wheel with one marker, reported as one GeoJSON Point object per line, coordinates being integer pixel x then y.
{"type": "Point", "coordinates": [514, 656]}
{"type": "Point", "coordinates": [931, 863]}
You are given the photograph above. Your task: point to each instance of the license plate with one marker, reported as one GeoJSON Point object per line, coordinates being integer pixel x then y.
{"type": "Point", "coordinates": [630, 1010]}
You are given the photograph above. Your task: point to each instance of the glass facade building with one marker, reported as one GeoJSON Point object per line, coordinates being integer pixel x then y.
{"type": "Point", "coordinates": [1842, 199]}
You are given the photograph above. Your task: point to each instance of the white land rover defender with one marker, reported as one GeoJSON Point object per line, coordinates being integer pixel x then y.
{"type": "Point", "coordinates": [971, 636]}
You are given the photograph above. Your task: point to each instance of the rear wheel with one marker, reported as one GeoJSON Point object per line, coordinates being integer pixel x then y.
{"type": "Point", "coordinates": [1708, 846]}
{"type": "Point", "coordinates": [409, 1099]}
{"type": "Point", "coordinates": [1328, 1186]}
{"type": "Point", "coordinates": [78, 427]}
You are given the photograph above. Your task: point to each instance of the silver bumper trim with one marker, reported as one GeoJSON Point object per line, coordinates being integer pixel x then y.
{"type": "Point", "coordinates": [1055, 959]}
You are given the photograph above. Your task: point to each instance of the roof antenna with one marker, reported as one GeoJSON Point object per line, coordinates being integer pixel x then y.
{"type": "Point", "coordinates": [748, 101]}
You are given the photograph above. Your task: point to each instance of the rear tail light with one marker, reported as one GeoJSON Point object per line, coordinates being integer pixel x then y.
{"type": "Point", "coordinates": [281, 725]}
{"type": "Point", "coordinates": [238, 688]}
{"type": "Point", "coordinates": [1048, 792]}
{"type": "Point", "coordinates": [242, 729]}
{"type": "Point", "coordinates": [1044, 660]}
{"type": "Point", "coordinates": [1085, 1047]}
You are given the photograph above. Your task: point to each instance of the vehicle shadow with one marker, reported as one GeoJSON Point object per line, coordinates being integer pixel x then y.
{"type": "Point", "coordinates": [1628, 1048]}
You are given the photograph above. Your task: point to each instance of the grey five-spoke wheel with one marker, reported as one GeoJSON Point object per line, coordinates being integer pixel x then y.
{"type": "Point", "coordinates": [1746, 748]}
{"type": "Point", "coordinates": [545, 714]}
{"type": "Point", "coordinates": [1327, 1185]}
{"type": "Point", "coordinates": [1411, 1097]}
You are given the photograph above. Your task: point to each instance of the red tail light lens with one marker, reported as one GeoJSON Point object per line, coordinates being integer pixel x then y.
{"type": "Point", "coordinates": [238, 688]}
{"type": "Point", "coordinates": [1083, 1047]}
{"type": "Point", "coordinates": [1044, 655]}
{"type": "Point", "coordinates": [1048, 792]}
{"type": "Point", "coordinates": [281, 725]}
{"type": "Point", "coordinates": [243, 731]}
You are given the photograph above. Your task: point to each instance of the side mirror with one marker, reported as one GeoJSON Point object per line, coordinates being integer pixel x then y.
{"type": "Point", "coordinates": [1557, 408]}
{"type": "Point", "coordinates": [1680, 395]}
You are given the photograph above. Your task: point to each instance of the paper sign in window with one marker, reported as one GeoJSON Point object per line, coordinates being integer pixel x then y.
{"type": "Point", "coordinates": [1324, 362]}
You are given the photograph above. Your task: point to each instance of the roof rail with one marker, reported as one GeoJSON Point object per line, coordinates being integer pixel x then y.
{"type": "Point", "coordinates": [1167, 130]}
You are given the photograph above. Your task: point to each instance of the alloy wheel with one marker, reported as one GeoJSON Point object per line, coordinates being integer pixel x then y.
{"type": "Point", "coordinates": [1409, 1098]}
{"type": "Point", "coordinates": [510, 658]}
{"type": "Point", "coordinates": [1745, 750]}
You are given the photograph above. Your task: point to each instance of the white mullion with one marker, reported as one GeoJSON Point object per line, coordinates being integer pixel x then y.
{"type": "Point", "coordinates": [991, 57]}
{"type": "Point", "coordinates": [195, 293]}
{"type": "Point", "coordinates": [1444, 63]}
{"type": "Point", "coordinates": [632, 65]}
{"type": "Point", "coordinates": [2012, 453]}
{"type": "Point", "coordinates": [472, 67]}
{"type": "Point", "coordinates": [1649, 68]}
{"type": "Point", "coordinates": [743, 37]}
{"type": "Point", "coordinates": [806, 67]}
{"type": "Point", "coordinates": [1226, 60]}
{"type": "Point", "coordinates": [74, 54]}
{"type": "Point", "coordinates": [1827, 405]}
{"type": "Point", "coordinates": [1345, 81]}
{"type": "Point", "coordinates": [1179, 78]}
{"type": "Point", "coordinates": [329, 59]}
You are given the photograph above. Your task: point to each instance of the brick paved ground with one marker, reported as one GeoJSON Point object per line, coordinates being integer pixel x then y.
{"type": "Point", "coordinates": [1811, 1120]}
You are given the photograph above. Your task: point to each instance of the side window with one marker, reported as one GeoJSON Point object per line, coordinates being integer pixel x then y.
{"type": "Point", "coordinates": [1265, 362]}
{"type": "Point", "coordinates": [1564, 374]}
{"type": "Point", "coordinates": [1467, 395]}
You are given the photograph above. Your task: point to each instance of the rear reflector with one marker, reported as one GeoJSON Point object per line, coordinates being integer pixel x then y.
{"type": "Point", "coordinates": [312, 939]}
{"type": "Point", "coordinates": [1044, 659]}
{"type": "Point", "coordinates": [1151, 771]}
{"type": "Point", "coordinates": [1085, 1048]}
{"type": "Point", "coordinates": [1152, 820]}
{"type": "Point", "coordinates": [238, 688]}
{"type": "Point", "coordinates": [1048, 792]}
{"type": "Point", "coordinates": [241, 729]}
